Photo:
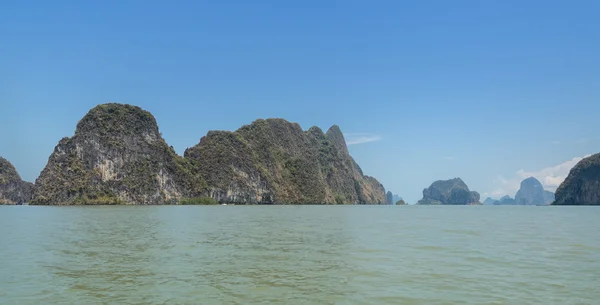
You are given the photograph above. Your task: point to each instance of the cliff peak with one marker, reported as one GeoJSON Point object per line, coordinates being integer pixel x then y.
{"type": "Point", "coordinates": [335, 135]}
{"type": "Point", "coordinates": [13, 190]}
{"type": "Point", "coordinates": [123, 119]}
{"type": "Point", "coordinates": [8, 173]}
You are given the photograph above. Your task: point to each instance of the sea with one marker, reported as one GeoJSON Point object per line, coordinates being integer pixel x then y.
{"type": "Point", "coordinates": [287, 254]}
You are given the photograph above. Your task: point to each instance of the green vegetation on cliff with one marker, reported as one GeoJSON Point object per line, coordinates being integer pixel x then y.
{"type": "Point", "coordinates": [198, 201]}
{"type": "Point", "coordinates": [275, 161]}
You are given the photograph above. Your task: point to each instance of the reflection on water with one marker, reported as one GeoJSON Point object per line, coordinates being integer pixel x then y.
{"type": "Point", "coordinates": [299, 255]}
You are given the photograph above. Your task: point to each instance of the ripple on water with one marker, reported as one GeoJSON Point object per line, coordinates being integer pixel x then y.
{"type": "Point", "coordinates": [299, 255]}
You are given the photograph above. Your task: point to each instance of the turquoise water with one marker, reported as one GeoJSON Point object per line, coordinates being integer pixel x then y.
{"type": "Point", "coordinates": [299, 255]}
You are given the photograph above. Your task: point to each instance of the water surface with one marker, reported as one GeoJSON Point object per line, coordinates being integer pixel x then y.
{"type": "Point", "coordinates": [299, 255]}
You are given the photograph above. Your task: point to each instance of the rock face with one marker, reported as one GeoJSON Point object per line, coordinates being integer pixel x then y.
{"type": "Point", "coordinates": [531, 193]}
{"type": "Point", "coordinates": [275, 161]}
{"type": "Point", "coordinates": [451, 192]}
{"type": "Point", "coordinates": [506, 200]}
{"type": "Point", "coordinates": [582, 185]}
{"type": "Point", "coordinates": [13, 190]}
{"type": "Point", "coordinates": [389, 197]}
{"type": "Point", "coordinates": [116, 156]}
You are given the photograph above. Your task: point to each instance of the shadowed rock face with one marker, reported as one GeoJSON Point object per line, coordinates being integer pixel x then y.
{"type": "Point", "coordinates": [582, 185]}
{"type": "Point", "coordinates": [117, 156]}
{"type": "Point", "coordinates": [389, 197]}
{"type": "Point", "coordinates": [451, 192]}
{"type": "Point", "coordinates": [531, 193]}
{"type": "Point", "coordinates": [275, 161]}
{"type": "Point", "coordinates": [13, 190]}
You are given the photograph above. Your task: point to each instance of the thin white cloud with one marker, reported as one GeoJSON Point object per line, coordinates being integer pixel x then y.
{"type": "Point", "coordinates": [581, 141]}
{"type": "Point", "coordinates": [556, 142]}
{"type": "Point", "coordinates": [550, 177]}
{"type": "Point", "coordinates": [361, 138]}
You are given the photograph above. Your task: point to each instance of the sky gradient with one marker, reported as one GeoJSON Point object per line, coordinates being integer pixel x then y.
{"type": "Point", "coordinates": [489, 91]}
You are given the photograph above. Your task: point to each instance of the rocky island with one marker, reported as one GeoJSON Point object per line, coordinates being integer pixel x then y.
{"type": "Point", "coordinates": [13, 190]}
{"type": "Point", "coordinates": [532, 192]}
{"type": "Point", "coordinates": [118, 156]}
{"type": "Point", "coordinates": [275, 161]}
{"type": "Point", "coordinates": [449, 192]}
{"type": "Point", "coordinates": [582, 185]}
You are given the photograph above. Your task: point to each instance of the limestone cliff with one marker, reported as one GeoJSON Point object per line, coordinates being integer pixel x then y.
{"type": "Point", "coordinates": [582, 185]}
{"type": "Point", "coordinates": [275, 161]}
{"type": "Point", "coordinates": [451, 192]}
{"type": "Point", "coordinates": [116, 156]}
{"type": "Point", "coordinates": [531, 192]}
{"type": "Point", "coordinates": [13, 190]}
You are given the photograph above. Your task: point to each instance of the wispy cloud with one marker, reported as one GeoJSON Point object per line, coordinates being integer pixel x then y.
{"type": "Point", "coordinates": [581, 141]}
{"type": "Point", "coordinates": [556, 142]}
{"type": "Point", "coordinates": [550, 177]}
{"type": "Point", "coordinates": [449, 158]}
{"type": "Point", "coordinates": [361, 138]}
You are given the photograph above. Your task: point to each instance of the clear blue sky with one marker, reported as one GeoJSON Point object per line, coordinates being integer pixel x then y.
{"type": "Point", "coordinates": [470, 89]}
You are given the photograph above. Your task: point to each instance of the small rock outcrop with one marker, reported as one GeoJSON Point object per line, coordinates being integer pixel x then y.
{"type": "Point", "coordinates": [389, 197]}
{"type": "Point", "coordinates": [489, 201]}
{"type": "Point", "coordinates": [582, 185]}
{"type": "Point", "coordinates": [449, 192]}
{"type": "Point", "coordinates": [532, 192]}
{"type": "Point", "coordinates": [116, 156]}
{"type": "Point", "coordinates": [13, 190]}
{"type": "Point", "coordinates": [274, 161]}
{"type": "Point", "coordinates": [506, 200]}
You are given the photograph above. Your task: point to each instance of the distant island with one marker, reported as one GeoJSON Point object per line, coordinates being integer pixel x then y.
{"type": "Point", "coordinates": [531, 192]}
{"type": "Point", "coordinates": [449, 192]}
{"type": "Point", "coordinates": [118, 156]}
{"type": "Point", "coordinates": [393, 198]}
